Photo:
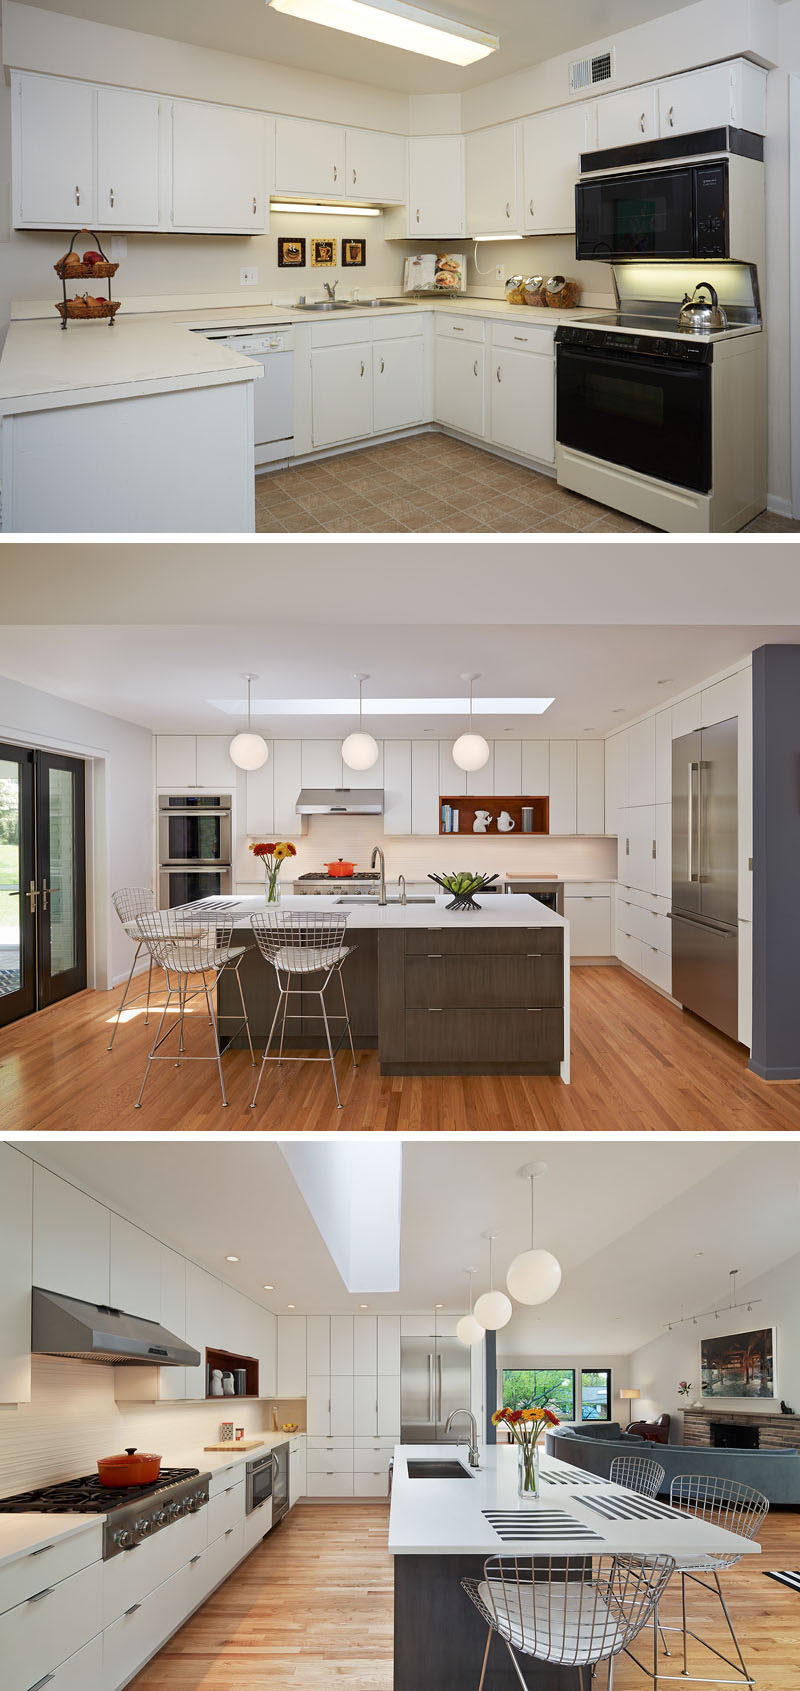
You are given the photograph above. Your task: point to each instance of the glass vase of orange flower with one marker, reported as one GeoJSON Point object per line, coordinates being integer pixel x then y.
{"type": "Point", "coordinates": [272, 854]}
{"type": "Point", "coordinates": [526, 1427]}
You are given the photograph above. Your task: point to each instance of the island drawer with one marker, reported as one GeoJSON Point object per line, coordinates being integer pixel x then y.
{"type": "Point", "coordinates": [471, 1036]}
{"type": "Point", "coordinates": [484, 983]}
{"type": "Point", "coordinates": [486, 942]}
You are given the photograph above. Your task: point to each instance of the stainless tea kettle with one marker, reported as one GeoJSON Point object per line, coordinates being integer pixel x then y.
{"type": "Point", "coordinates": [702, 315]}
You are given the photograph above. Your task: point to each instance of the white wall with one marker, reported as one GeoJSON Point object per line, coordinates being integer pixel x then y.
{"type": "Point", "coordinates": [658, 1366]}
{"type": "Point", "coordinates": [120, 756]}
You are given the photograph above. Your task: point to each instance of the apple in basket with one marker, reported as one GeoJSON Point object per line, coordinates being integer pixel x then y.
{"type": "Point", "coordinates": [92, 257]}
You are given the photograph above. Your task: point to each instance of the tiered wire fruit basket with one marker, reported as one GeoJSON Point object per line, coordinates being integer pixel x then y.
{"type": "Point", "coordinates": [463, 888]}
{"type": "Point", "coordinates": [86, 306]}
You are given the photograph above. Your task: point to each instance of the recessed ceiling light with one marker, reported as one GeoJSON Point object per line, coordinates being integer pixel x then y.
{"type": "Point", "coordinates": [268, 1287]}
{"type": "Point", "coordinates": [589, 730]}
{"type": "Point", "coordinates": [291, 1306]}
{"type": "Point", "coordinates": [666, 681]}
{"type": "Point", "coordinates": [438, 1306]}
{"type": "Point", "coordinates": [231, 1259]}
{"type": "Point", "coordinates": [363, 1306]}
{"type": "Point", "coordinates": [395, 24]}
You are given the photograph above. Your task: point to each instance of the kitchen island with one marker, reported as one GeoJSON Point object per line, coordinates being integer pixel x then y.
{"type": "Point", "coordinates": [439, 1534]}
{"type": "Point", "coordinates": [435, 991]}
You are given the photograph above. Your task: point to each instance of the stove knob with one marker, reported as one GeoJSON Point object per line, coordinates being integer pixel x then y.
{"type": "Point", "coordinates": [160, 1518]}
{"type": "Point", "coordinates": [142, 1528]}
{"type": "Point", "coordinates": [191, 1504]}
{"type": "Point", "coordinates": [178, 1507]}
{"type": "Point", "coordinates": [123, 1539]}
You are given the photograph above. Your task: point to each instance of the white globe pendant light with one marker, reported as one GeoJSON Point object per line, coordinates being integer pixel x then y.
{"type": "Point", "coordinates": [248, 750]}
{"type": "Point", "coordinates": [468, 1330]}
{"type": "Point", "coordinates": [359, 750]}
{"type": "Point", "coordinates": [470, 751]}
{"type": "Point", "coordinates": [534, 1275]}
{"type": "Point", "coordinates": [492, 1309]}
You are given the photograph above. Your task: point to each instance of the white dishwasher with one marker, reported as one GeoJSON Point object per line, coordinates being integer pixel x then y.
{"type": "Point", "coordinates": [272, 347]}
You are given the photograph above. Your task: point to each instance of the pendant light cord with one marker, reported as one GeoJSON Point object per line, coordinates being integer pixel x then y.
{"type": "Point", "coordinates": [248, 703]}
{"type": "Point", "coordinates": [533, 1177]}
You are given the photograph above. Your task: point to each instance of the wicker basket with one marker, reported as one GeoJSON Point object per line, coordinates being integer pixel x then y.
{"type": "Point", "coordinates": [82, 308]}
{"type": "Point", "coordinates": [84, 272]}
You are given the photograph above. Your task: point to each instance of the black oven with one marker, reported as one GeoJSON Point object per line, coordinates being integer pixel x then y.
{"type": "Point", "coordinates": [675, 212]}
{"type": "Point", "coordinates": [637, 401]}
{"type": "Point", "coordinates": [258, 1482]}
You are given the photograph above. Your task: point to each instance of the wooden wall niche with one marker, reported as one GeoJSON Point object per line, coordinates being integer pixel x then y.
{"type": "Point", "coordinates": [467, 805]}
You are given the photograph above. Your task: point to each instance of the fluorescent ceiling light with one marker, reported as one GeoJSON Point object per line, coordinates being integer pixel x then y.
{"type": "Point", "coordinates": [395, 24]}
{"type": "Point", "coordinates": [325, 210]}
{"type": "Point", "coordinates": [387, 707]}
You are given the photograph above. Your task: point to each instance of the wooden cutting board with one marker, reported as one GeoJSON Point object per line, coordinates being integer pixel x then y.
{"type": "Point", "coordinates": [235, 1444]}
{"type": "Point", "coordinates": [532, 875]}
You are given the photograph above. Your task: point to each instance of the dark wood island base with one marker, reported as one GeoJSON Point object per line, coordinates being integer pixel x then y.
{"type": "Point", "coordinates": [439, 1636]}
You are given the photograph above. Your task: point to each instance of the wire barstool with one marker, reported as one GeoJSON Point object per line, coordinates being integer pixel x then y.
{"type": "Point", "coordinates": [129, 904]}
{"type": "Point", "coordinates": [573, 1611]}
{"type": "Point", "coordinates": [188, 943]}
{"type": "Point", "coordinates": [299, 944]}
{"type": "Point", "coordinates": [738, 1509]}
{"type": "Point", "coordinates": [637, 1473]}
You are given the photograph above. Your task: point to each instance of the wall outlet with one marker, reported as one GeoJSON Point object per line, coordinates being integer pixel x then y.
{"type": "Point", "coordinates": [119, 246]}
{"type": "Point", "coordinates": [499, 273]}
{"type": "Point", "coordinates": [248, 278]}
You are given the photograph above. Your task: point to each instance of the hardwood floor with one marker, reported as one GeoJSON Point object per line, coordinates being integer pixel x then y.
{"type": "Point", "coordinates": [312, 1608]}
{"type": "Point", "coordinates": [638, 1062]}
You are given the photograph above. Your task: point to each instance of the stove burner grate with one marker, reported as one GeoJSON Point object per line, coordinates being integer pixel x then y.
{"type": "Point", "coordinates": [86, 1496]}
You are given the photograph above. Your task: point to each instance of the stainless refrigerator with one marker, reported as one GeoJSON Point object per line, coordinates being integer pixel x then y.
{"type": "Point", "coordinates": [705, 931]}
{"type": "Point", "coordinates": [434, 1380]}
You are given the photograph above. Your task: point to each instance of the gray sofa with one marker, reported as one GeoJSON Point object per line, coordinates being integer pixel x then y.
{"type": "Point", "coordinates": [776, 1473]}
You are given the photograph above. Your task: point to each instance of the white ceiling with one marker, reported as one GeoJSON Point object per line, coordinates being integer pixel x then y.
{"type": "Point", "coordinates": [165, 678]}
{"type": "Point", "coordinates": [530, 31]}
{"type": "Point", "coordinates": [626, 1218]}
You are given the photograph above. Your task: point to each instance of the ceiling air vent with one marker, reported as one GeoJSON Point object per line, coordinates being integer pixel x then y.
{"type": "Point", "coordinates": [587, 73]}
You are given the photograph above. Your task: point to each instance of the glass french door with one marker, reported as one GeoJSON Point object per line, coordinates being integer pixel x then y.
{"type": "Point", "coordinates": [42, 880]}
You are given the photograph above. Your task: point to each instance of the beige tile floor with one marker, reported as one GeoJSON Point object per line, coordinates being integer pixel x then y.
{"type": "Point", "coordinates": [432, 484]}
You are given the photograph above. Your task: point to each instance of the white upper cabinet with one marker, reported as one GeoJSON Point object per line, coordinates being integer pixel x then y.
{"type": "Point", "coordinates": [493, 180]}
{"type": "Point", "coordinates": [172, 1381]}
{"type": "Point", "coordinates": [730, 93]}
{"type": "Point", "coordinates": [219, 166]}
{"type": "Point", "coordinates": [259, 805]}
{"type": "Point", "coordinates": [508, 768]}
{"type": "Point", "coordinates": [397, 786]}
{"type": "Point", "coordinates": [16, 1211]}
{"type": "Point", "coordinates": [309, 157]}
{"type": "Point", "coordinates": [291, 1337]}
{"type": "Point", "coordinates": [365, 777]}
{"type": "Point", "coordinates": [436, 197]}
{"type": "Point", "coordinates": [642, 762]}
{"type": "Point", "coordinates": [664, 757]}
{"type": "Point", "coordinates": [321, 763]}
{"type": "Point", "coordinates": [127, 159]}
{"type": "Point", "coordinates": [552, 143]}
{"type": "Point", "coordinates": [452, 779]}
{"type": "Point", "coordinates": [627, 117]}
{"type": "Point", "coordinates": [318, 1344]}
{"type": "Point", "coordinates": [214, 765]}
{"type": "Point", "coordinates": [70, 1239]}
{"type": "Point", "coordinates": [563, 787]}
{"type": "Point", "coordinates": [287, 781]}
{"type": "Point", "coordinates": [536, 768]}
{"type": "Point", "coordinates": [53, 148]}
{"type": "Point", "coordinates": [590, 787]}
{"type": "Point", "coordinates": [341, 1344]}
{"type": "Point", "coordinates": [365, 1344]}
{"type": "Point", "coordinates": [389, 1344]}
{"type": "Point", "coordinates": [135, 1270]}
{"type": "Point", "coordinates": [376, 166]}
{"type": "Point", "coordinates": [424, 787]}
{"type": "Point", "coordinates": [205, 1322]}
{"type": "Point", "coordinates": [616, 761]}
{"type": "Point", "coordinates": [176, 761]}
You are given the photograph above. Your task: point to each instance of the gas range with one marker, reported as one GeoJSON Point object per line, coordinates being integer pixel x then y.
{"type": "Point", "coordinates": [133, 1513]}
{"type": "Point", "coordinates": [314, 881]}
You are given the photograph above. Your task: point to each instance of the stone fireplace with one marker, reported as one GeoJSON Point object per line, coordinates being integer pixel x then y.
{"type": "Point", "coordinates": [726, 1435]}
{"type": "Point", "coordinates": [747, 1430]}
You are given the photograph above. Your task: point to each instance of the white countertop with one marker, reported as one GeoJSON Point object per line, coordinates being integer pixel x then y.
{"type": "Point", "coordinates": [444, 1518]}
{"type": "Point", "coordinates": [494, 911]}
{"type": "Point", "coordinates": [21, 1535]}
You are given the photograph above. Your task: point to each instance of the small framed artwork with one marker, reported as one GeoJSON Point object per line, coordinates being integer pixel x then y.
{"type": "Point", "coordinates": [354, 253]}
{"type": "Point", "coordinates": [291, 253]}
{"type": "Point", "coordinates": [323, 252]}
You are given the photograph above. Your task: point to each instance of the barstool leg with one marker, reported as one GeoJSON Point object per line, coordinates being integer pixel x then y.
{"type": "Point", "coordinates": [683, 1619]}
{"type": "Point", "coordinates": [283, 1023]}
{"type": "Point", "coordinates": [183, 981]}
{"type": "Point", "coordinates": [347, 1015]}
{"type": "Point", "coordinates": [656, 1632]}
{"type": "Point", "coordinates": [330, 1049]}
{"type": "Point", "coordinates": [213, 1020]}
{"type": "Point", "coordinates": [138, 1104]}
{"type": "Point", "coordinates": [732, 1632]}
{"type": "Point", "coordinates": [149, 985]}
{"type": "Point", "coordinates": [244, 1012]}
{"type": "Point", "coordinates": [125, 993]}
{"type": "Point", "coordinates": [267, 1046]}
{"type": "Point", "coordinates": [485, 1659]}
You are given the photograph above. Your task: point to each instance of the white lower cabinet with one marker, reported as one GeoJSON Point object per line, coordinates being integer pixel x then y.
{"type": "Point", "coordinates": [522, 403]}
{"type": "Point", "coordinates": [81, 1672]}
{"type": "Point", "coordinates": [130, 1577]}
{"type": "Point", "coordinates": [371, 1458]}
{"type": "Point", "coordinates": [329, 1467]}
{"type": "Point", "coordinates": [341, 393]}
{"type": "Point", "coordinates": [144, 1627]}
{"type": "Point", "coordinates": [226, 1509]}
{"type": "Point", "coordinates": [297, 1470]}
{"type": "Point", "coordinates": [398, 384]}
{"type": "Point", "coordinates": [643, 935]}
{"type": "Point", "coordinates": [51, 1625]}
{"type": "Point", "coordinates": [224, 1553]}
{"type": "Point", "coordinates": [256, 1525]}
{"type": "Point", "coordinates": [459, 381]}
{"type": "Point", "coordinates": [591, 927]}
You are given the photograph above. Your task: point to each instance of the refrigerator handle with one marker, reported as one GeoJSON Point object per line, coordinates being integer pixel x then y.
{"type": "Point", "coordinates": [691, 815]}
{"type": "Point", "coordinates": [430, 1387]}
{"type": "Point", "coordinates": [439, 1378]}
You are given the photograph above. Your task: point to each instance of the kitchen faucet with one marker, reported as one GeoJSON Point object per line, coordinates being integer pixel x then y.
{"type": "Point", "coordinates": [474, 1453]}
{"type": "Point", "coordinates": [330, 288]}
{"type": "Point", "coordinates": [401, 882]}
{"type": "Point", "coordinates": [376, 852]}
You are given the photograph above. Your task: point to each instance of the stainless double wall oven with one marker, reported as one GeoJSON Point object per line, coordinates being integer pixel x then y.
{"type": "Point", "coordinates": [194, 847]}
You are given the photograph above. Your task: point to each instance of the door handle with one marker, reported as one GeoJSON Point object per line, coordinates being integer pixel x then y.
{"type": "Point", "coordinates": [690, 821]}
{"type": "Point", "coordinates": [355, 175]}
{"type": "Point", "coordinates": [363, 366]}
{"type": "Point", "coordinates": [642, 123]}
{"type": "Point", "coordinates": [255, 205]}
{"type": "Point", "coordinates": [32, 896]}
{"type": "Point", "coordinates": [45, 894]}
{"type": "Point", "coordinates": [335, 173]}
{"type": "Point", "coordinates": [508, 208]}
{"type": "Point", "coordinates": [418, 214]}
{"type": "Point", "coordinates": [530, 207]}
{"type": "Point", "coordinates": [383, 365]}
{"type": "Point", "coordinates": [670, 117]}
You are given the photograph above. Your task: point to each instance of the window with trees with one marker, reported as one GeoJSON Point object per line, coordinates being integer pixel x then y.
{"type": "Point", "coordinates": [595, 1394]}
{"type": "Point", "coordinates": [520, 1385]}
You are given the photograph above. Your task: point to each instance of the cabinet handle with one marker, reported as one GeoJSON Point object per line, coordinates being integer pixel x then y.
{"type": "Point", "coordinates": [499, 372]}
{"type": "Point", "coordinates": [228, 1532]}
{"type": "Point", "coordinates": [40, 1552]}
{"type": "Point", "coordinates": [434, 953]}
{"type": "Point", "coordinates": [654, 848]}
{"type": "Point", "coordinates": [508, 208]}
{"type": "Point", "coordinates": [418, 214]}
{"type": "Point", "coordinates": [533, 954]}
{"type": "Point", "coordinates": [533, 1009]}
{"type": "Point", "coordinates": [192, 1560]}
{"type": "Point", "coordinates": [383, 366]}
{"type": "Point", "coordinates": [475, 367]}
{"type": "Point", "coordinates": [255, 205]}
{"type": "Point", "coordinates": [627, 848]}
{"type": "Point", "coordinates": [363, 366]}
{"type": "Point", "coordinates": [38, 1595]}
{"type": "Point", "coordinates": [670, 117]}
{"type": "Point", "coordinates": [335, 173]}
{"type": "Point", "coordinates": [77, 194]}
{"type": "Point", "coordinates": [229, 1489]}
{"type": "Point", "coordinates": [458, 328]}
{"type": "Point", "coordinates": [521, 338]}
{"type": "Point", "coordinates": [434, 1009]}
{"type": "Point", "coordinates": [111, 196]}
{"type": "Point", "coordinates": [132, 1609]}
{"type": "Point", "coordinates": [355, 175]}
{"type": "Point", "coordinates": [530, 207]}
{"type": "Point", "coordinates": [642, 123]}
{"type": "Point", "coordinates": [48, 1678]}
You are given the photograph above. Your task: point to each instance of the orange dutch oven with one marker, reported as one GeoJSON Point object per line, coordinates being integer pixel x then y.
{"type": "Point", "coordinates": [339, 869]}
{"type": "Point", "coordinates": [134, 1468]}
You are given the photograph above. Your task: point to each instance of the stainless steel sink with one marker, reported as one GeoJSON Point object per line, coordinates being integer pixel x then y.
{"type": "Point", "coordinates": [436, 1470]}
{"type": "Point", "coordinates": [372, 898]}
{"type": "Point", "coordinates": [325, 305]}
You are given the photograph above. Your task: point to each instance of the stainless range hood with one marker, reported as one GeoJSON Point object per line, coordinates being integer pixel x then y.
{"type": "Point", "coordinates": [340, 801]}
{"type": "Point", "coordinates": [92, 1332]}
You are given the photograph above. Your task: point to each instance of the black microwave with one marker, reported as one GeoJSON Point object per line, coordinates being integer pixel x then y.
{"type": "Point", "coordinates": [676, 212]}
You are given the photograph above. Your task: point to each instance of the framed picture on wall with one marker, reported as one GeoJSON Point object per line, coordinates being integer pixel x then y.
{"type": "Point", "coordinates": [323, 252]}
{"type": "Point", "coordinates": [291, 252]}
{"type": "Point", "coordinates": [354, 253]}
{"type": "Point", "coordinates": [739, 1364]}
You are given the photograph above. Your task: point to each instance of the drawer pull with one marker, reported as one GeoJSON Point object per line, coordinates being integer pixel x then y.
{"type": "Point", "coordinates": [434, 953]}
{"type": "Point", "coordinates": [534, 954]}
{"type": "Point", "coordinates": [228, 1532]}
{"type": "Point", "coordinates": [132, 1610]}
{"type": "Point", "coordinates": [434, 1009]}
{"type": "Point", "coordinates": [192, 1560]}
{"type": "Point", "coordinates": [458, 328]}
{"type": "Point", "coordinates": [48, 1679]}
{"type": "Point", "coordinates": [39, 1595]}
{"type": "Point", "coordinates": [521, 338]}
{"type": "Point", "coordinates": [229, 1489]}
{"type": "Point", "coordinates": [533, 1009]}
{"type": "Point", "coordinates": [40, 1552]}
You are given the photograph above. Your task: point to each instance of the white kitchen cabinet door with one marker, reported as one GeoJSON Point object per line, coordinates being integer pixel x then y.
{"type": "Point", "coordinates": [267, 1353]}
{"type": "Point", "coordinates": [493, 180]}
{"type": "Point", "coordinates": [590, 925]}
{"type": "Point", "coordinates": [389, 1405]}
{"type": "Point", "coordinates": [704, 99]}
{"type": "Point", "coordinates": [388, 1344]}
{"type": "Point", "coordinates": [341, 393]}
{"type": "Point", "coordinates": [318, 1344]}
{"type": "Point", "coordinates": [172, 1381]}
{"type": "Point", "coordinates": [318, 1404]}
{"type": "Point", "coordinates": [53, 145]}
{"type": "Point", "coordinates": [523, 387]}
{"type": "Point", "coordinates": [451, 778]}
{"type": "Point", "coordinates": [365, 1405]}
{"type": "Point", "coordinates": [139, 1633]}
{"type": "Point", "coordinates": [341, 1405]}
{"type": "Point", "coordinates": [535, 768]}
{"type": "Point", "coordinates": [642, 762]}
{"type": "Point", "coordinates": [287, 781]}
{"type": "Point", "coordinates": [563, 787]}
{"type": "Point", "coordinates": [366, 777]}
{"type": "Point", "coordinates": [342, 1344]}
{"type": "Point", "coordinates": [56, 1622]}
{"type": "Point", "coordinates": [214, 767]}
{"type": "Point", "coordinates": [637, 863]}
{"type": "Point", "coordinates": [16, 1232]}
{"type": "Point", "coordinates": [687, 715]}
{"type": "Point", "coordinates": [627, 117]}
{"type": "Point", "coordinates": [291, 1356]}
{"type": "Point", "coordinates": [176, 761]}
{"type": "Point", "coordinates": [309, 157]}
{"type": "Point", "coordinates": [508, 768]}
{"type": "Point", "coordinates": [591, 810]}
{"type": "Point", "coordinates": [127, 159]}
{"type": "Point", "coordinates": [376, 166]}
{"type": "Point", "coordinates": [70, 1239]}
{"type": "Point", "coordinates": [552, 143]}
{"type": "Point", "coordinates": [259, 799]}
{"type": "Point", "coordinates": [397, 787]}
{"type": "Point", "coordinates": [205, 1322]}
{"type": "Point", "coordinates": [424, 787]}
{"type": "Point", "coordinates": [663, 754]}
{"type": "Point", "coordinates": [459, 379]}
{"type": "Point", "coordinates": [321, 763]}
{"type": "Point", "coordinates": [365, 1344]}
{"type": "Point", "coordinates": [398, 383]}
{"type": "Point", "coordinates": [616, 765]}
{"type": "Point", "coordinates": [219, 159]}
{"type": "Point", "coordinates": [135, 1270]}
{"type": "Point", "coordinates": [482, 780]}
{"type": "Point", "coordinates": [663, 868]}
{"type": "Point", "coordinates": [436, 186]}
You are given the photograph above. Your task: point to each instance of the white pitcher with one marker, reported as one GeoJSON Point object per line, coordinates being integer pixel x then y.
{"type": "Point", "coordinates": [505, 822]}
